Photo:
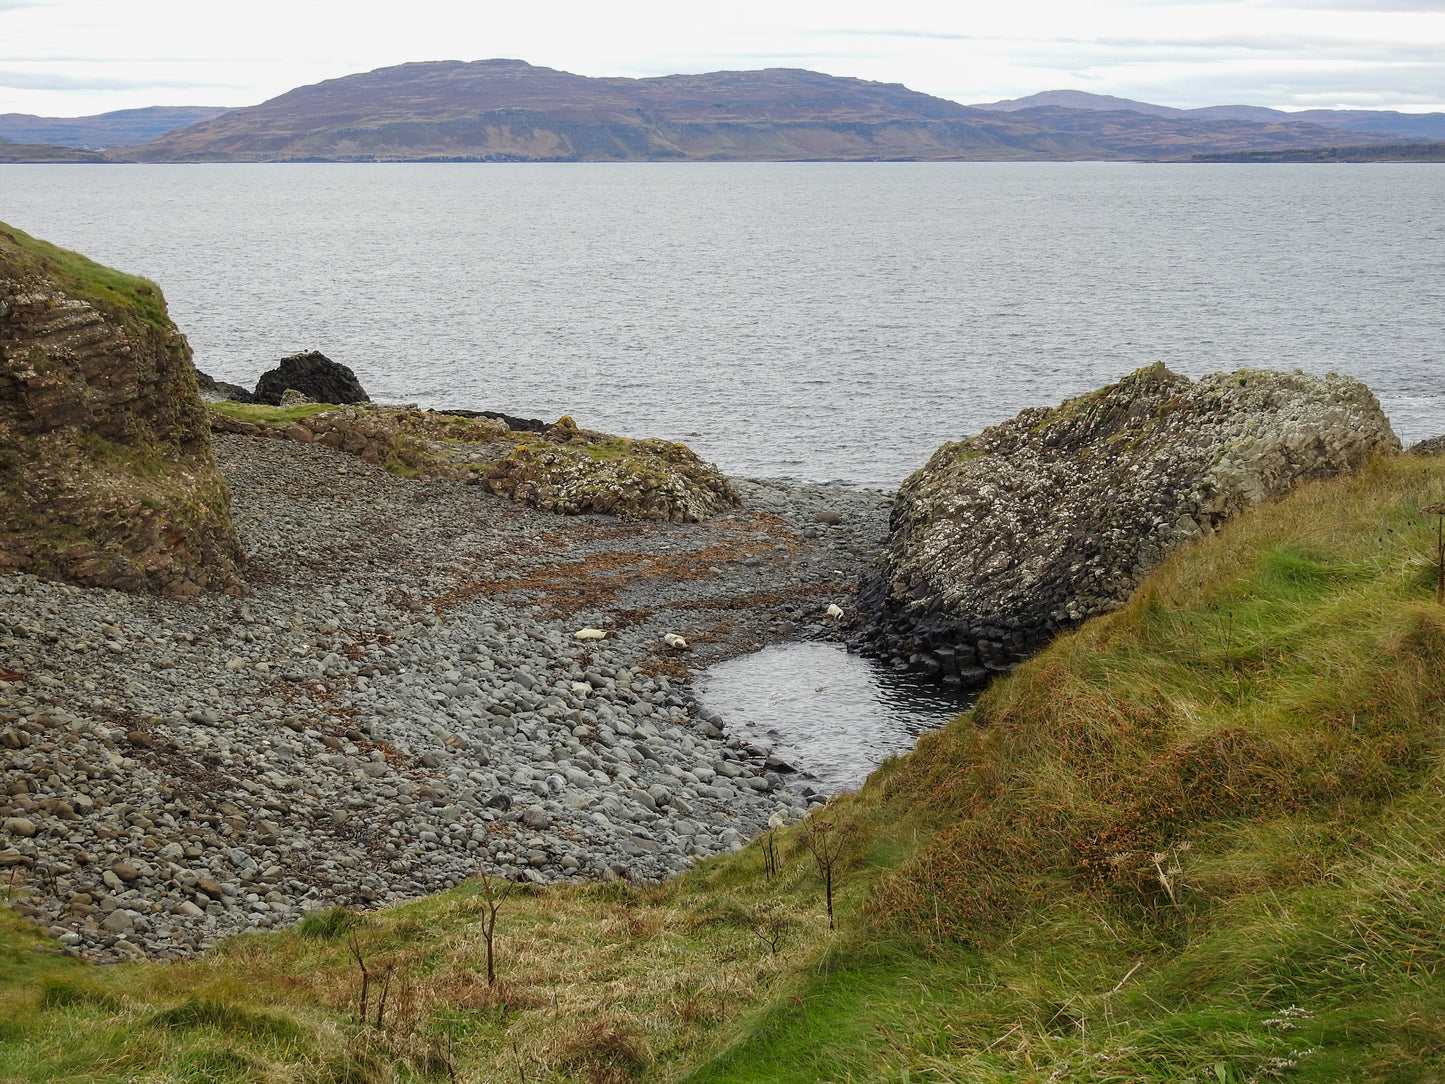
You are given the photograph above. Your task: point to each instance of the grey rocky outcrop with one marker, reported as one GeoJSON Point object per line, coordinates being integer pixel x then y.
{"type": "Point", "coordinates": [106, 471]}
{"type": "Point", "coordinates": [1036, 524]}
{"type": "Point", "coordinates": [314, 375]}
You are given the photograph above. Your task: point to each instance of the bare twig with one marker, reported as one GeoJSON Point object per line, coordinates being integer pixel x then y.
{"type": "Point", "coordinates": [489, 921]}
{"type": "Point", "coordinates": [1127, 977]}
{"type": "Point", "coordinates": [385, 989]}
{"type": "Point", "coordinates": [1438, 510]}
{"type": "Point", "coordinates": [824, 841]}
{"type": "Point", "coordinates": [365, 975]}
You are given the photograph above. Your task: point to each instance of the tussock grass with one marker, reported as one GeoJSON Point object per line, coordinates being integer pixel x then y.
{"type": "Point", "coordinates": [1197, 840]}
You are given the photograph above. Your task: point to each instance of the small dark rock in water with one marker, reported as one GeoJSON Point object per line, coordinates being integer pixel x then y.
{"type": "Point", "coordinates": [520, 425]}
{"type": "Point", "coordinates": [218, 389]}
{"type": "Point", "coordinates": [313, 374]}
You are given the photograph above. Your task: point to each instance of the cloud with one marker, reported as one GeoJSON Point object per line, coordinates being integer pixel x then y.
{"type": "Point", "coordinates": [21, 80]}
{"type": "Point", "coordinates": [915, 35]}
{"type": "Point", "coordinates": [700, 61]}
{"type": "Point", "coordinates": [1306, 47]}
{"type": "Point", "coordinates": [1300, 85]}
{"type": "Point", "coordinates": [49, 58]}
{"type": "Point", "coordinates": [1382, 6]}
{"type": "Point", "coordinates": [1279, 44]}
{"type": "Point", "coordinates": [18, 5]}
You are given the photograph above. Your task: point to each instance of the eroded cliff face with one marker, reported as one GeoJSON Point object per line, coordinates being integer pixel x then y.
{"type": "Point", "coordinates": [1035, 525]}
{"type": "Point", "coordinates": [106, 474]}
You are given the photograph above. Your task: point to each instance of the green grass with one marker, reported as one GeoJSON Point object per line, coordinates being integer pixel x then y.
{"type": "Point", "coordinates": [1197, 840]}
{"type": "Point", "coordinates": [121, 296]}
{"type": "Point", "coordinates": [261, 414]}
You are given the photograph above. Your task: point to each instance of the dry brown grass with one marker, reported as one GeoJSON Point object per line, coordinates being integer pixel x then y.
{"type": "Point", "coordinates": [590, 988]}
{"type": "Point", "coordinates": [1202, 703]}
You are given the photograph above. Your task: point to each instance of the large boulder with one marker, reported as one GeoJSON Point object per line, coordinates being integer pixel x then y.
{"type": "Point", "coordinates": [106, 474]}
{"type": "Point", "coordinates": [1006, 538]}
{"type": "Point", "coordinates": [315, 376]}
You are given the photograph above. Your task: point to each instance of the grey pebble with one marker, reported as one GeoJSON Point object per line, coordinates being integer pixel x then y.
{"type": "Point", "coordinates": [217, 765]}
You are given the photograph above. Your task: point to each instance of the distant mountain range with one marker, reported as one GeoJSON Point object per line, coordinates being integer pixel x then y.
{"type": "Point", "coordinates": [508, 110]}
{"type": "Point", "coordinates": [121, 128]}
{"type": "Point", "coordinates": [1429, 126]}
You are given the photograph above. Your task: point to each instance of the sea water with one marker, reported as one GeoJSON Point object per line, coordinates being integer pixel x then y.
{"type": "Point", "coordinates": [819, 321]}
{"type": "Point", "coordinates": [827, 322]}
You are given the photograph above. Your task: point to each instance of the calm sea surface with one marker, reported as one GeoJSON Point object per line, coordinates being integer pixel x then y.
{"type": "Point", "coordinates": [818, 321]}
{"type": "Point", "coordinates": [833, 715]}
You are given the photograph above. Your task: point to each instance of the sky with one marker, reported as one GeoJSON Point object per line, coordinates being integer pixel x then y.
{"type": "Point", "coordinates": [79, 57]}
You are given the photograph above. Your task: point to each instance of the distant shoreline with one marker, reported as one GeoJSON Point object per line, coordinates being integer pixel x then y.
{"type": "Point", "coordinates": [1386, 153]}
{"type": "Point", "coordinates": [1431, 154]}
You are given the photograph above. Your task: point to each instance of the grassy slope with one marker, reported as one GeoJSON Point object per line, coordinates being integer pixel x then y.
{"type": "Point", "coordinates": [1198, 840]}
{"type": "Point", "coordinates": [122, 297]}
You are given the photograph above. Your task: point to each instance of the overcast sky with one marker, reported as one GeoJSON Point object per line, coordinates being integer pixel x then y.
{"type": "Point", "coordinates": [77, 57]}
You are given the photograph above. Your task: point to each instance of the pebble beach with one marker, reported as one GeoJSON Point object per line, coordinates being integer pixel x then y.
{"type": "Point", "coordinates": [400, 701]}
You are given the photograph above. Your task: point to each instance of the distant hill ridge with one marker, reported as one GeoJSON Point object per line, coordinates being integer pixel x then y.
{"type": "Point", "coordinates": [509, 110]}
{"type": "Point", "coordinates": [1429, 126]}
{"type": "Point", "coordinates": [122, 127]}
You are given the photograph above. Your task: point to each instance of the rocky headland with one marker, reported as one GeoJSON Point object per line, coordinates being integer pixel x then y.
{"type": "Point", "coordinates": [1044, 521]}
{"type": "Point", "coordinates": [106, 474]}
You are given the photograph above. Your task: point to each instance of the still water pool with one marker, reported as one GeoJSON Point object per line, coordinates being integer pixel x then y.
{"type": "Point", "coordinates": [833, 715]}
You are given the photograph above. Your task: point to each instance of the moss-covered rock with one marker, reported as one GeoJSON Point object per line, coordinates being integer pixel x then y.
{"type": "Point", "coordinates": [563, 469]}
{"type": "Point", "coordinates": [1057, 515]}
{"type": "Point", "coordinates": [405, 441]}
{"type": "Point", "coordinates": [106, 474]}
{"type": "Point", "coordinates": [574, 470]}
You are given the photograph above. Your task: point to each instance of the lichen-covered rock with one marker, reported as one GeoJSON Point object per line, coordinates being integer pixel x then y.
{"type": "Point", "coordinates": [1057, 515]}
{"type": "Point", "coordinates": [106, 475]}
{"type": "Point", "coordinates": [314, 375]}
{"type": "Point", "coordinates": [573, 470]}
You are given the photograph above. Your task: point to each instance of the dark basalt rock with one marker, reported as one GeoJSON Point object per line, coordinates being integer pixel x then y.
{"type": "Point", "coordinates": [314, 375]}
{"type": "Point", "coordinates": [220, 391]}
{"type": "Point", "coordinates": [1007, 538]}
{"type": "Point", "coordinates": [1433, 446]}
